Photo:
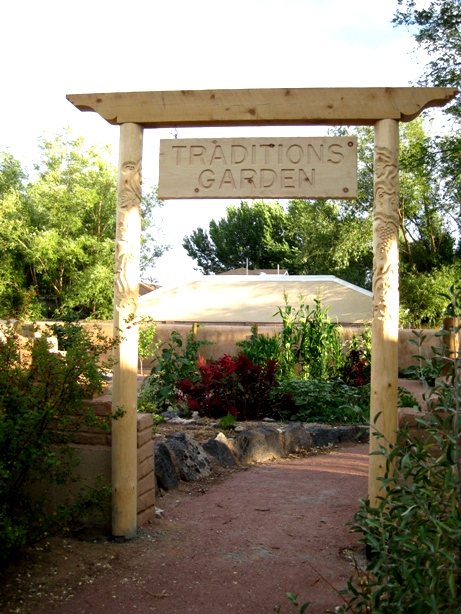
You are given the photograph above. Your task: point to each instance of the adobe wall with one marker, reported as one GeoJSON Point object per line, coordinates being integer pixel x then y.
{"type": "Point", "coordinates": [225, 337]}
{"type": "Point", "coordinates": [93, 448]}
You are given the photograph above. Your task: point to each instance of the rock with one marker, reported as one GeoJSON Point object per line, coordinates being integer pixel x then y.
{"type": "Point", "coordinates": [296, 438]}
{"type": "Point", "coordinates": [165, 469]}
{"type": "Point", "coordinates": [323, 436]}
{"type": "Point", "coordinates": [219, 451]}
{"type": "Point", "coordinates": [179, 420]}
{"type": "Point", "coordinates": [258, 444]}
{"type": "Point", "coordinates": [159, 513]}
{"type": "Point", "coordinates": [169, 414]}
{"type": "Point", "coordinates": [190, 456]}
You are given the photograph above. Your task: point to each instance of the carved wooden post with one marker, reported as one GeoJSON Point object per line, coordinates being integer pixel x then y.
{"type": "Point", "coordinates": [126, 290]}
{"type": "Point", "coordinates": [385, 326]}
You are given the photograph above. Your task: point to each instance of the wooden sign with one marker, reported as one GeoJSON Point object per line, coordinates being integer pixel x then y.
{"type": "Point", "coordinates": [317, 167]}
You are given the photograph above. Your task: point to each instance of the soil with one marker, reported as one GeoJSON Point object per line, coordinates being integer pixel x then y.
{"type": "Point", "coordinates": [235, 542]}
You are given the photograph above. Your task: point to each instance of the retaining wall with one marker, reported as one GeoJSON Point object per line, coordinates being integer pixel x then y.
{"type": "Point", "coordinates": [93, 448]}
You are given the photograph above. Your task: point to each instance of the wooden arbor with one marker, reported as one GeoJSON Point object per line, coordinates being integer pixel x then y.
{"type": "Point", "coordinates": [382, 108]}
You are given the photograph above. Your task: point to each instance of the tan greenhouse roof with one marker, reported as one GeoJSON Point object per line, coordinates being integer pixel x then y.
{"type": "Point", "coordinates": [240, 298]}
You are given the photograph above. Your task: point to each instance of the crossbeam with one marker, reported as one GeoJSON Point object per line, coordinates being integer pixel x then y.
{"type": "Point", "coordinates": [264, 107]}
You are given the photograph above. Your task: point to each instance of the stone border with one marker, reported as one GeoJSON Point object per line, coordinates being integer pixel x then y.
{"type": "Point", "coordinates": [181, 457]}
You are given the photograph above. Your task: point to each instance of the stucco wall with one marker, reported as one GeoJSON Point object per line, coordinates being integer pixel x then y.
{"type": "Point", "coordinates": [225, 337]}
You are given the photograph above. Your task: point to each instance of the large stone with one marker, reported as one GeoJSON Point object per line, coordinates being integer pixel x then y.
{"type": "Point", "coordinates": [190, 456]}
{"type": "Point", "coordinates": [296, 438]}
{"type": "Point", "coordinates": [324, 436]}
{"type": "Point", "coordinates": [258, 444]}
{"type": "Point", "coordinates": [220, 451]}
{"type": "Point", "coordinates": [165, 469]}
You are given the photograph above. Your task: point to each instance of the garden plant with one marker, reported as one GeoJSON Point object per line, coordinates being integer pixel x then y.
{"type": "Point", "coordinates": [42, 404]}
{"type": "Point", "coordinates": [412, 537]}
{"type": "Point", "coordinates": [307, 372]}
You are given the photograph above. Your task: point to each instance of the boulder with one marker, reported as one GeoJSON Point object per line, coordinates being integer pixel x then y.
{"type": "Point", "coordinates": [296, 438]}
{"type": "Point", "coordinates": [219, 450]}
{"type": "Point", "coordinates": [258, 444]}
{"type": "Point", "coordinates": [165, 469]}
{"type": "Point", "coordinates": [324, 436]}
{"type": "Point", "coordinates": [190, 456]}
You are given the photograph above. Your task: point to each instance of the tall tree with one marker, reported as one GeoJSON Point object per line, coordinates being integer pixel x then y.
{"type": "Point", "coordinates": [58, 230]}
{"type": "Point", "coordinates": [252, 232]}
{"type": "Point", "coordinates": [436, 26]}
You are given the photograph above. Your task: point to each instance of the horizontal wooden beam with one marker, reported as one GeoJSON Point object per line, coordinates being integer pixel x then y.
{"type": "Point", "coordinates": [259, 107]}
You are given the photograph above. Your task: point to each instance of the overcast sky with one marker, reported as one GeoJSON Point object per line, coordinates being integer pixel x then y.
{"type": "Point", "coordinates": [50, 48]}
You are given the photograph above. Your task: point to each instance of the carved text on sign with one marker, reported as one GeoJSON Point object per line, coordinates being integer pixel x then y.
{"type": "Point", "coordinates": [320, 167]}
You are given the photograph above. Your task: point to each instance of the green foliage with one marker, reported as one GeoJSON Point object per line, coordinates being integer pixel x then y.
{"type": "Point", "coordinates": [251, 232]}
{"type": "Point", "coordinates": [146, 345]}
{"type": "Point", "coordinates": [406, 398]}
{"type": "Point", "coordinates": [57, 232]}
{"type": "Point", "coordinates": [436, 29]}
{"type": "Point", "coordinates": [328, 238]}
{"type": "Point", "coordinates": [311, 344]}
{"type": "Point", "coordinates": [227, 422]}
{"type": "Point", "coordinates": [42, 398]}
{"type": "Point", "coordinates": [325, 402]}
{"type": "Point", "coordinates": [259, 348]}
{"type": "Point", "coordinates": [176, 362]}
{"type": "Point", "coordinates": [413, 535]}
{"type": "Point", "coordinates": [423, 294]}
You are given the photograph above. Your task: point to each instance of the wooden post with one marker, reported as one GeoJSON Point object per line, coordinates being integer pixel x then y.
{"type": "Point", "coordinates": [194, 331]}
{"type": "Point", "coordinates": [126, 290]}
{"type": "Point", "coordinates": [385, 325]}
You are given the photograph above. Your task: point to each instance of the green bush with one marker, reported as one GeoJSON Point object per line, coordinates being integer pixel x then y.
{"type": "Point", "coordinates": [176, 362]}
{"type": "Point", "coordinates": [146, 345]}
{"type": "Point", "coordinates": [41, 405]}
{"type": "Point", "coordinates": [328, 402]}
{"type": "Point", "coordinates": [309, 345]}
{"type": "Point", "coordinates": [413, 536]}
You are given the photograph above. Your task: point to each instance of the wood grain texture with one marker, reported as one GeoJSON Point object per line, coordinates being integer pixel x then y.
{"type": "Point", "coordinates": [318, 167]}
{"type": "Point", "coordinates": [252, 107]}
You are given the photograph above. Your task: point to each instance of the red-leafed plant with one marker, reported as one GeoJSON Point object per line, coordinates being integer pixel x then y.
{"type": "Point", "coordinates": [231, 385]}
{"type": "Point", "coordinates": [356, 370]}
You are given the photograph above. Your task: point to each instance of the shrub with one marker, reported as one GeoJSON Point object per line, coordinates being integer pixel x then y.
{"type": "Point", "coordinates": [176, 361]}
{"type": "Point", "coordinates": [233, 386]}
{"type": "Point", "coordinates": [328, 402]}
{"type": "Point", "coordinates": [356, 370]}
{"type": "Point", "coordinates": [146, 345]}
{"type": "Point", "coordinates": [311, 344]}
{"type": "Point", "coordinates": [259, 348]}
{"type": "Point", "coordinates": [413, 536]}
{"type": "Point", "coordinates": [41, 404]}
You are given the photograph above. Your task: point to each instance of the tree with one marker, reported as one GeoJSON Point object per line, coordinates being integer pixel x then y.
{"type": "Point", "coordinates": [329, 240]}
{"type": "Point", "coordinates": [251, 232]}
{"type": "Point", "coordinates": [57, 232]}
{"type": "Point", "coordinates": [310, 237]}
{"type": "Point", "coordinates": [437, 30]}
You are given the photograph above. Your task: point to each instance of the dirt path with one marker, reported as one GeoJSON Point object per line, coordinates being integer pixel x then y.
{"type": "Point", "coordinates": [237, 545]}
